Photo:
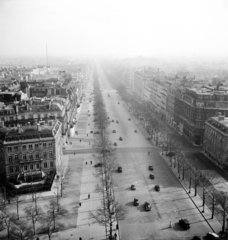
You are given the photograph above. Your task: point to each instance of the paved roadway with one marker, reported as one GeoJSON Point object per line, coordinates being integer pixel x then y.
{"type": "Point", "coordinates": [170, 204]}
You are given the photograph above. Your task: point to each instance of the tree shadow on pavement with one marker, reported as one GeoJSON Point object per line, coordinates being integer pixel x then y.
{"type": "Point", "coordinates": [130, 204]}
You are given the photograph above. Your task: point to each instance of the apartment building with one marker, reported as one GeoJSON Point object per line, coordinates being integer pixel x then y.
{"type": "Point", "coordinates": [198, 105]}
{"type": "Point", "coordinates": [216, 139]}
{"type": "Point", "coordinates": [30, 153]}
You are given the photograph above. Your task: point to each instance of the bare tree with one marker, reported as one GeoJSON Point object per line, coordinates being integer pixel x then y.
{"type": "Point", "coordinates": [6, 220]}
{"type": "Point", "coordinates": [47, 227]}
{"type": "Point", "coordinates": [205, 182]}
{"type": "Point", "coordinates": [214, 196]}
{"type": "Point", "coordinates": [54, 211]}
{"type": "Point", "coordinates": [33, 215]}
{"type": "Point", "coordinates": [20, 230]}
{"type": "Point", "coordinates": [223, 207]}
{"type": "Point", "coordinates": [17, 203]}
{"type": "Point", "coordinates": [107, 213]}
{"type": "Point", "coordinates": [63, 173]}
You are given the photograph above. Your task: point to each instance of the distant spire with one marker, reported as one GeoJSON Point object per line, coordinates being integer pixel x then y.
{"type": "Point", "coordinates": [47, 55]}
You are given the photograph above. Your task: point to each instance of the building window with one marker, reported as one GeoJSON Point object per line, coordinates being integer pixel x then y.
{"type": "Point", "coordinates": [44, 145]}
{"type": "Point", "coordinates": [51, 164]}
{"type": "Point", "coordinates": [10, 158]}
{"type": "Point", "coordinates": [50, 154]}
{"type": "Point", "coordinates": [16, 157]}
{"type": "Point", "coordinates": [15, 148]}
{"type": "Point", "coordinates": [45, 164]}
{"type": "Point", "coordinates": [17, 169]}
{"type": "Point", "coordinates": [37, 155]}
{"type": "Point", "coordinates": [30, 156]}
{"type": "Point", "coordinates": [31, 166]}
{"type": "Point", "coordinates": [11, 169]}
{"type": "Point", "coordinates": [9, 149]}
{"type": "Point", "coordinates": [25, 167]}
{"type": "Point", "coordinates": [36, 146]}
{"type": "Point", "coordinates": [37, 166]}
{"type": "Point", "coordinates": [22, 117]}
{"type": "Point", "coordinates": [24, 156]}
{"type": "Point", "coordinates": [2, 119]}
{"type": "Point", "coordinates": [30, 147]}
{"type": "Point", "coordinates": [24, 147]}
{"type": "Point", "coordinates": [11, 118]}
{"type": "Point", "coordinates": [45, 155]}
{"type": "Point", "coordinates": [38, 116]}
{"type": "Point", "coordinates": [50, 145]}
{"type": "Point", "coordinates": [31, 116]}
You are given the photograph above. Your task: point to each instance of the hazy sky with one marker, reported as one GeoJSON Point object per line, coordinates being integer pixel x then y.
{"type": "Point", "coordinates": [138, 27]}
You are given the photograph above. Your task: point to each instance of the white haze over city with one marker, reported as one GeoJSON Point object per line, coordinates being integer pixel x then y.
{"type": "Point", "coordinates": [114, 27]}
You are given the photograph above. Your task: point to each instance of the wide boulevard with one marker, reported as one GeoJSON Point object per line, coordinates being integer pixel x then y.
{"type": "Point", "coordinates": [170, 204]}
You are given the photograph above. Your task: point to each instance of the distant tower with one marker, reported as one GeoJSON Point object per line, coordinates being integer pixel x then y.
{"type": "Point", "coordinates": [47, 55]}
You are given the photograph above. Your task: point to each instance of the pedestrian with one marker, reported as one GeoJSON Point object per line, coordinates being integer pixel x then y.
{"type": "Point", "coordinates": [170, 224]}
{"type": "Point", "coordinates": [80, 140]}
{"type": "Point", "coordinates": [80, 238]}
{"type": "Point", "coordinates": [88, 196]}
{"type": "Point", "coordinates": [148, 153]}
{"type": "Point", "coordinates": [115, 235]}
{"type": "Point", "coordinates": [86, 163]}
{"type": "Point", "coordinates": [37, 238]}
{"type": "Point", "coordinates": [91, 162]}
{"type": "Point", "coordinates": [80, 204]}
{"type": "Point", "coordinates": [9, 201]}
{"type": "Point", "coordinates": [87, 134]}
{"type": "Point", "coordinates": [117, 226]}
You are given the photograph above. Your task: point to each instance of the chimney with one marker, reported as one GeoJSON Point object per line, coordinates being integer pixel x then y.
{"type": "Point", "coordinates": [19, 129]}
{"type": "Point", "coordinates": [2, 124]}
{"type": "Point", "coordinates": [220, 117]}
{"type": "Point", "coordinates": [38, 127]}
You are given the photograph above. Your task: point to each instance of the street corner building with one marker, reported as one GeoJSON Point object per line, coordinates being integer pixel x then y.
{"type": "Point", "coordinates": [29, 155]}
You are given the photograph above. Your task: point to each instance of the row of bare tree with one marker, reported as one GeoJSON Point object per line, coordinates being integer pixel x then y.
{"type": "Point", "coordinates": [110, 210]}
{"type": "Point", "coordinates": [188, 168]}
{"type": "Point", "coordinates": [20, 219]}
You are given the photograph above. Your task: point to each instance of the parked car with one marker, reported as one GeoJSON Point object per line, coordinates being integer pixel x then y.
{"type": "Point", "coordinates": [129, 119]}
{"type": "Point", "coordinates": [151, 168]}
{"type": "Point", "coordinates": [152, 176]}
{"type": "Point", "coordinates": [117, 121]}
{"type": "Point", "coordinates": [118, 102]}
{"type": "Point", "coordinates": [184, 223]}
{"type": "Point", "coordinates": [119, 169]}
{"type": "Point", "coordinates": [114, 131]}
{"type": "Point", "coordinates": [147, 206]}
{"type": "Point", "coordinates": [120, 138]}
{"type": "Point", "coordinates": [98, 164]}
{"type": "Point", "coordinates": [135, 131]}
{"type": "Point", "coordinates": [115, 144]}
{"type": "Point", "coordinates": [112, 120]}
{"type": "Point", "coordinates": [157, 188]}
{"type": "Point", "coordinates": [212, 236]}
{"type": "Point", "coordinates": [133, 187]}
{"type": "Point", "coordinates": [136, 202]}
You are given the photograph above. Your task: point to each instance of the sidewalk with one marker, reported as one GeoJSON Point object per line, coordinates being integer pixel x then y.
{"type": "Point", "coordinates": [213, 223]}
